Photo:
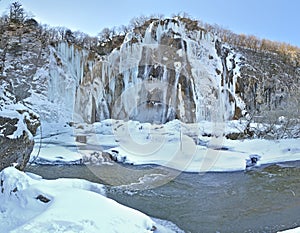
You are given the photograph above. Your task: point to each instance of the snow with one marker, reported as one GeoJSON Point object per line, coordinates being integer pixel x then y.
{"type": "Point", "coordinates": [172, 145]}
{"type": "Point", "coordinates": [69, 205]}
{"type": "Point", "coordinates": [218, 155]}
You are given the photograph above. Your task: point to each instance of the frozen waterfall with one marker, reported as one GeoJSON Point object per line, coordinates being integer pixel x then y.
{"type": "Point", "coordinates": [167, 73]}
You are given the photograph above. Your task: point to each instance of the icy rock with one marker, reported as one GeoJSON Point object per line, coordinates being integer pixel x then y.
{"type": "Point", "coordinates": [252, 161]}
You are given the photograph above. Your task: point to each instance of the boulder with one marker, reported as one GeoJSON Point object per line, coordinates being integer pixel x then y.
{"type": "Point", "coordinates": [17, 128]}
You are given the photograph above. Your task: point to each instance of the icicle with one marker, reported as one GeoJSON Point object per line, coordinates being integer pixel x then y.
{"type": "Point", "coordinates": [148, 39]}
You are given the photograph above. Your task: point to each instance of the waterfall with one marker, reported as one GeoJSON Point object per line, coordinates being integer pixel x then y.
{"type": "Point", "coordinates": [166, 73]}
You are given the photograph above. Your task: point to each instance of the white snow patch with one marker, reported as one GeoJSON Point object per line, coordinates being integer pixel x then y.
{"type": "Point", "coordinates": [11, 112]}
{"type": "Point", "coordinates": [170, 145]}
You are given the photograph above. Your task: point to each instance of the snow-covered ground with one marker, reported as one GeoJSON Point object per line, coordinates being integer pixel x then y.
{"type": "Point", "coordinates": [174, 144]}
{"type": "Point", "coordinates": [32, 204]}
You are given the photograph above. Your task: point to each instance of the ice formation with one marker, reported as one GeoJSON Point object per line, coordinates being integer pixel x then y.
{"type": "Point", "coordinates": [167, 73]}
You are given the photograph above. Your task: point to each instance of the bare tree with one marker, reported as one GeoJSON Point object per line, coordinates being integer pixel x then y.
{"type": "Point", "coordinates": [123, 29]}
{"type": "Point", "coordinates": [105, 35]}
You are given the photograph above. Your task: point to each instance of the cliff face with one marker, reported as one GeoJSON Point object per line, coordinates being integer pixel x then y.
{"type": "Point", "coordinates": [269, 85]}
{"type": "Point", "coordinates": [22, 56]}
{"type": "Point", "coordinates": [167, 69]}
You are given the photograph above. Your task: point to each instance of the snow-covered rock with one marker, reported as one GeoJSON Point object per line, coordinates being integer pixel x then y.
{"type": "Point", "coordinates": [17, 127]}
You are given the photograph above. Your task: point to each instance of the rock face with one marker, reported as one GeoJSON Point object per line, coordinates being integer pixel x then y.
{"type": "Point", "coordinates": [269, 85]}
{"type": "Point", "coordinates": [16, 140]}
{"type": "Point", "coordinates": [22, 56]}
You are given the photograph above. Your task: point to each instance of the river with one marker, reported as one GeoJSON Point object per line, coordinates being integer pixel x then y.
{"type": "Point", "coordinates": [266, 199]}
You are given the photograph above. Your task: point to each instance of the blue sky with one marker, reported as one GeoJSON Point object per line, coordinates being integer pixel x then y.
{"type": "Point", "coordinates": [277, 20]}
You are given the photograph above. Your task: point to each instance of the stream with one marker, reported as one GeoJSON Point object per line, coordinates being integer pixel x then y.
{"type": "Point", "coordinates": [266, 199]}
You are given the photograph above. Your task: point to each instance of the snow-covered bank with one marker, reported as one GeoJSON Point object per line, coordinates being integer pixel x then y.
{"type": "Point", "coordinates": [294, 230]}
{"type": "Point", "coordinates": [32, 204]}
{"type": "Point", "coordinates": [228, 156]}
{"type": "Point", "coordinates": [174, 145]}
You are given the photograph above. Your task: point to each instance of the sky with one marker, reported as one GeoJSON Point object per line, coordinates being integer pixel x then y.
{"type": "Point", "coordinates": [277, 20]}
